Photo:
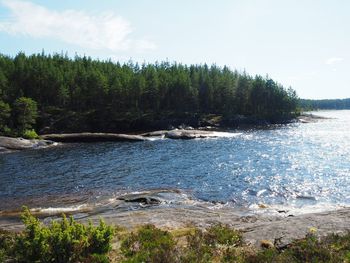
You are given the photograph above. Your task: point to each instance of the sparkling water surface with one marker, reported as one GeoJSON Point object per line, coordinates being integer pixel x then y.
{"type": "Point", "coordinates": [295, 165]}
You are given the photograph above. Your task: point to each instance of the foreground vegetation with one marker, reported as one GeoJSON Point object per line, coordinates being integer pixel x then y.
{"type": "Point", "coordinates": [65, 240]}
{"type": "Point", "coordinates": [57, 93]}
{"type": "Point", "coordinates": [62, 241]}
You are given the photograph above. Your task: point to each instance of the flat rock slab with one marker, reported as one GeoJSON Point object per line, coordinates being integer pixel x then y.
{"type": "Point", "coordinates": [16, 144]}
{"type": "Point", "coordinates": [280, 231]}
{"type": "Point", "coordinates": [283, 231]}
{"type": "Point", "coordinates": [310, 118]}
{"type": "Point", "coordinates": [92, 137]}
{"type": "Point", "coordinates": [172, 134]}
{"type": "Point", "coordinates": [171, 209]}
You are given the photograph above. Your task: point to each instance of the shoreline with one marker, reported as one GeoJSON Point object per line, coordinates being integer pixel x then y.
{"type": "Point", "coordinates": [171, 210]}
{"type": "Point", "coordinates": [254, 228]}
{"type": "Point", "coordinates": [10, 144]}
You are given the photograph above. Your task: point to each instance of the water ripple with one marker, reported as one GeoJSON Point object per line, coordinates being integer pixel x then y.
{"type": "Point", "coordinates": [297, 164]}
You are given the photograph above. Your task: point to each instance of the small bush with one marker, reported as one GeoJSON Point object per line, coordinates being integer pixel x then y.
{"type": "Point", "coordinates": [197, 249]}
{"type": "Point", "coordinates": [6, 240]}
{"type": "Point", "coordinates": [333, 248]}
{"type": "Point", "coordinates": [149, 244]}
{"type": "Point", "coordinates": [62, 241]}
{"type": "Point", "coordinates": [223, 235]}
{"type": "Point", "coordinates": [30, 134]}
{"type": "Point", "coordinates": [6, 131]}
{"type": "Point", "coordinates": [202, 246]}
{"type": "Point", "coordinates": [309, 250]}
{"type": "Point", "coordinates": [2, 255]}
{"type": "Point", "coordinates": [267, 255]}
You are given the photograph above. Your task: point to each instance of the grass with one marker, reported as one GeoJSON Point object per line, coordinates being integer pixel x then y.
{"type": "Point", "coordinates": [66, 240]}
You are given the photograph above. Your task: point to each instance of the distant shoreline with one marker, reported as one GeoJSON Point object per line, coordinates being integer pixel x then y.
{"type": "Point", "coordinates": [214, 129]}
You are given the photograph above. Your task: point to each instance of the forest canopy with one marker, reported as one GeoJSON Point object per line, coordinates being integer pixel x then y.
{"type": "Point", "coordinates": [327, 104]}
{"type": "Point", "coordinates": [64, 94]}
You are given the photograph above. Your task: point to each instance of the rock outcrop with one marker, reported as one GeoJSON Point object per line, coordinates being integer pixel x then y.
{"type": "Point", "coordinates": [172, 134]}
{"type": "Point", "coordinates": [92, 137]}
{"type": "Point", "coordinates": [189, 134]}
{"type": "Point", "coordinates": [15, 144]}
{"type": "Point", "coordinates": [172, 209]}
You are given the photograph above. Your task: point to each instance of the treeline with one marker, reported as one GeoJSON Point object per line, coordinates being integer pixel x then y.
{"type": "Point", "coordinates": [81, 94]}
{"type": "Point", "coordinates": [334, 104]}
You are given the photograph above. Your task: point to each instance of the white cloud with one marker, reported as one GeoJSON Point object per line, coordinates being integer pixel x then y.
{"type": "Point", "coordinates": [333, 60]}
{"type": "Point", "coordinates": [103, 31]}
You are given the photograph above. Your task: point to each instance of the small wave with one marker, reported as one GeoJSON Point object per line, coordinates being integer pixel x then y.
{"type": "Point", "coordinates": [155, 138]}
{"type": "Point", "coordinates": [226, 134]}
{"type": "Point", "coordinates": [55, 210]}
{"type": "Point", "coordinates": [294, 210]}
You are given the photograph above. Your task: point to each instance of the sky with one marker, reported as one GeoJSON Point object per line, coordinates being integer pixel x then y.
{"type": "Point", "coordinates": [304, 44]}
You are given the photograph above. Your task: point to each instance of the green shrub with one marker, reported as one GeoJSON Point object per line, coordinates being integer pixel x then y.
{"type": "Point", "coordinates": [6, 245]}
{"type": "Point", "coordinates": [61, 241]}
{"type": "Point", "coordinates": [97, 258]}
{"type": "Point", "coordinates": [309, 250]}
{"type": "Point", "coordinates": [231, 255]}
{"type": "Point", "coordinates": [223, 235]}
{"type": "Point", "coordinates": [333, 248]}
{"type": "Point", "coordinates": [197, 249]}
{"type": "Point", "coordinates": [2, 255]}
{"type": "Point", "coordinates": [149, 244]}
{"type": "Point", "coordinates": [6, 240]}
{"type": "Point", "coordinates": [32, 245]}
{"type": "Point", "coordinates": [30, 134]}
{"type": "Point", "coordinates": [100, 238]}
{"type": "Point", "coordinates": [202, 246]}
{"type": "Point", "coordinates": [267, 255]}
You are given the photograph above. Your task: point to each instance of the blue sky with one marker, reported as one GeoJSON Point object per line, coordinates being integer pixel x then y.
{"type": "Point", "coordinates": [303, 44]}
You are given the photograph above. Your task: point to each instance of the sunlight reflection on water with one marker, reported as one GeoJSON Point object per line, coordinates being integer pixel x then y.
{"type": "Point", "coordinates": [295, 165]}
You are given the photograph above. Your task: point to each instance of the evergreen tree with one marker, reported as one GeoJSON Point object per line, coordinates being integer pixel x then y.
{"type": "Point", "coordinates": [73, 93]}
{"type": "Point", "coordinates": [25, 113]}
{"type": "Point", "coordinates": [5, 114]}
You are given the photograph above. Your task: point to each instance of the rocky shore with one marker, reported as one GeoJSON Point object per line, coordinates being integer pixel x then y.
{"type": "Point", "coordinates": [8, 144]}
{"type": "Point", "coordinates": [170, 210]}
{"type": "Point", "coordinates": [279, 231]}
{"type": "Point", "coordinates": [310, 118]}
{"type": "Point", "coordinates": [183, 134]}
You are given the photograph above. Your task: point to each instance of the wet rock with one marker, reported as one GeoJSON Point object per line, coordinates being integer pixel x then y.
{"type": "Point", "coordinates": [144, 200]}
{"type": "Point", "coordinates": [189, 134]}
